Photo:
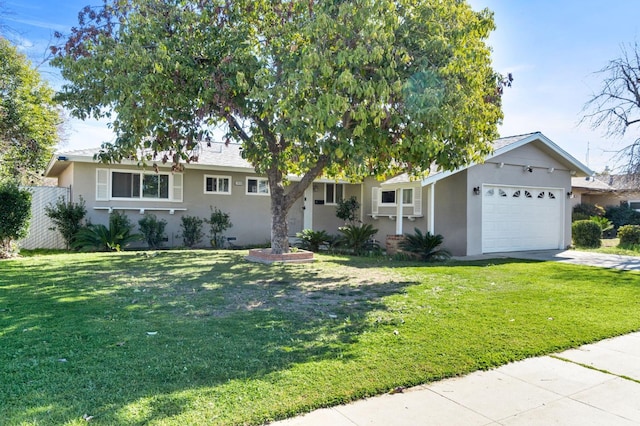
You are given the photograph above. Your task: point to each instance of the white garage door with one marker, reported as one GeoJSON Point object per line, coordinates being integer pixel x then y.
{"type": "Point", "coordinates": [521, 218]}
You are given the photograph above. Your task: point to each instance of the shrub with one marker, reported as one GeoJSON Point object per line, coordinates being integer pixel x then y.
{"type": "Point", "coordinates": [67, 218]}
{"type": "Point", "coordinates": [604, 224]}
{"type": "Point", "coordinates": [425, 246]}
{"type": "Point", "coordinates": [347, 210]}
{"type": "Point", "coordinates": [358, 239]}
{"type": "Point", "coordinates": [152, 230]}
{"type": "Point", "coordinates": [587, 210]}
{"type": "Point", "coordinates": [586, 233]}
{"type": "Point", "coordinates": [218, 223]}
{"type": "Point", "coordinates": [15, 212]}
{"type": "Point", "coordinates": [100, 238]}
{"type": "Point", "coordinates": [191, 230]}
{"type": "Point", "coordinates": [312, 240]}
{"type": "Point", "coordinates": [622, 215]}
{"type": "Point", "coordinates": [629, 236]}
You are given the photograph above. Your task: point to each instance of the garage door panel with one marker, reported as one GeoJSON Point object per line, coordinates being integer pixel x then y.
{"type": "Point", "coordinates": [521, 218]}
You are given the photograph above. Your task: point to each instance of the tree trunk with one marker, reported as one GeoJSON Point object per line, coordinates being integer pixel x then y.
{"type": "Point", "coordinates": [279, 226]}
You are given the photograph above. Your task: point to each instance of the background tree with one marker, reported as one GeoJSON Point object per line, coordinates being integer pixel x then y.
{"type": "Point", "coordinates": [363, 88]}
{"type": "Point", "coordinates": [29, 118]}
{"type": "Point", "coordinates": [616, 108]}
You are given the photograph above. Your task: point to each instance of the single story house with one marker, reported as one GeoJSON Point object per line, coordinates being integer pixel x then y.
{"type": "Point", "coordinates": [607, 190]}
{"type": "Point", "coordinates": [517, 199]}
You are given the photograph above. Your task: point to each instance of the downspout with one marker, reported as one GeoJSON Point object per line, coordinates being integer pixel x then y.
{"type": "Point", "coordinates": [431, 209]}
{"type": "Point", "coordinates": [399, 208]}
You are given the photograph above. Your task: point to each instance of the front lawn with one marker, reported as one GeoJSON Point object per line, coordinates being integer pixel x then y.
{"type": "Point", "coordinates": [202, 337]}
{"type": "Point", "coordinates": [610, 246]}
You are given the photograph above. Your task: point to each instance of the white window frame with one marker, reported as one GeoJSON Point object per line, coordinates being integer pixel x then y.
{"type": "Point", "coordinates": [104, 186]}
{"type": "Point", "coordinates": [258, 180]}
{"type": "Point", "coordinates": [633, 201]}
{"type": "Point", "coordinates": [218, 178]}
{"type": "Point", "coordinates": [335, 186]}
{"type": "Point", "coordinates": [395, 197]}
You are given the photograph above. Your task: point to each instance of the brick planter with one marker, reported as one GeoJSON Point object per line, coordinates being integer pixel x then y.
{"type": "Point", "coordinates": [391, 245]}
{"type": "Point", "coordinates": [265, 256]}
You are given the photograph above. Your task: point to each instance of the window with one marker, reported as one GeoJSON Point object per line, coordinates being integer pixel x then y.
{"type": "Point", "coordinates": [635, 205]}
{"type": "Point", "coordinates": [131, 185]}
{"type": "Point", "coordinates": [333, 193]}
{"type": "Point", "coordinates": [119, 184]}
{"type": "Point", "coordinates": [389, 197]}
{"type": "Point", "coordinates": [257, 186]}
{"type": "Point", "coordinates": [217, 184]}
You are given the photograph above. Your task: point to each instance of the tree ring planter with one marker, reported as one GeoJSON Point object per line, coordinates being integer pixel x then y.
{"type": "Point", "coordinates": [265, 256]}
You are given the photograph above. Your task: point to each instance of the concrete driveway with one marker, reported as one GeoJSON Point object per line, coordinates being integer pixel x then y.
{"type": "Point", "coordinates": [576, 257]}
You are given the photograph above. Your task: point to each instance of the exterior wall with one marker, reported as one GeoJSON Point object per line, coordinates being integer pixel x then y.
{"type": "Point", "coordinates": [605, 199]}
{"type": "Point", "coordinates": [451, 212]}
{"type": "Point", "coordinates": [40, 235]}
{"type": "Point", "coordinates": [250, 214]}
{"type": "Point", "coordinates": [512, 173]}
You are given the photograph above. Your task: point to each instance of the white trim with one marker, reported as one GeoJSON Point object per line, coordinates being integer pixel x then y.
{"type": "Point", "coordinates": [217, 177]}
{"type": "Point", "coordinates": [397, 195]}
{"type": "Point", "coordinates": [174, 190]}
{"type": "Point", "coordinates": [258, 180]}
{"type": "Point", "coordinates": [141, 210]}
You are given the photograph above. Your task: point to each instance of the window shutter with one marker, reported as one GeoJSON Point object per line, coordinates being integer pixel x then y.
{"type": "Point", "coordinates": [177, 187]}
{"type": "Point", "coordinates": [374, 200]}
{"type": "Point", "coordinates": [417, 201]}
{"type": "Point", "coordinates": [102, 184]}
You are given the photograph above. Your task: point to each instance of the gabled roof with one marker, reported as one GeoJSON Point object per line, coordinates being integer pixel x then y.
{"type": "Point", "coordinates": [500, 146]}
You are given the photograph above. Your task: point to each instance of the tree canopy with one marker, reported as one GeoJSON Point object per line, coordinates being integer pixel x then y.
{"type": "Point", "coordinates": [29, 118]}
{"type": "Point", "coordinates": [363, 88]}
{"type": "Point", "coordinates": [616, 107]}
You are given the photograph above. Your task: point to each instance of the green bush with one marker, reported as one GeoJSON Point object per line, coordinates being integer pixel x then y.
{"type": "Point", "coordinates": [152, 230]}
{"type": "Point", "coordinates": [604, 224]}
{"type": "Point", "coordinates": [191, 230]}
{"type": "Point", "coordinates": [629, 236]}
{"type": "Point", "coordinates": [358, 239]}
{"type": "Point", "coordinates": [218, 223]}
{"type": "Point", "coordinates": [425, 246]}
{"type": "Point", "coordinates": [586, 233]}
{"type": "Point", "coordinates": [587, 210]}
{"type": "Point", "coordinates": [347, 209]}
{"type": "Point", "coordinates": [312, 240]}
{"type": "Point", "coordinates": [15, 212]}
{"type": "Point", "coordinates": [67, 218]}
{"type": "Point", "coordinates": [622, 215]}
{"type": "Point", "coordinates": [100, 238]}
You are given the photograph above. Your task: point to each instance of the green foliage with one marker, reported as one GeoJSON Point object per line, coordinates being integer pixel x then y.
{"type": "Point", "coordinates": [191, 230]}
{"type": "Point", "coordinates": [425, 246]}
{"type": "Point", "coordinates": [629, 236]}
{"type": "Point", "coordinates": [152, 230]}
{"type": "Point", "coordinates": [586, 233]}
{"type": "Point", "coordinates": [67, 218]}
{"type": "Point", "coordinates": [622, 215]}
{"type": "Point", "coordinates": [347, 210]}
{"type": "Point", "coordinates": [335, 88]}
{"type": "Point", "coordinates": [312, 240]}
{"type": "Point", "coordinates": [100, 238]}
{"type": "Point", "coordinates": [604, 223]}
{"type": "Point", "coordinates": [29, 118]}
{"type": "Point", "coordinates": [219, 222]}
{"type": "Point", "coordinates": [589, 209]}
{"type": "Point", "coordinates": [15, 212]}
{"type": "Point", "coordinates": [358, 239]}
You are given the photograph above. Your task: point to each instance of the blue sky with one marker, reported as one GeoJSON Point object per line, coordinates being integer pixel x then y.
{"type": "Point", "coordinates": [552, 47]}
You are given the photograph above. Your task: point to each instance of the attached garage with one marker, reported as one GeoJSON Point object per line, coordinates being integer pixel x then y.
{"type": "Point", "coordinates": [518, 218]}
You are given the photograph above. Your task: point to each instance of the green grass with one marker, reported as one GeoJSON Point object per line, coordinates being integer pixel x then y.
{"type": "Point", "coordinates": [610, 246]}
{"type": "Point", "coordinates": [202, 337]}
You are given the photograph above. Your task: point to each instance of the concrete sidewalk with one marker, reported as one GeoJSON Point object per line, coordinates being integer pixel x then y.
{"type": "Point", "coordinates": [597, 384]}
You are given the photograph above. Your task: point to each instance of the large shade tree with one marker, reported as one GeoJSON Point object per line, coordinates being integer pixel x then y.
{"type": "Point", "coordinates": [359, 88]}
{"type": "Point", "coordinates": [29, 118]}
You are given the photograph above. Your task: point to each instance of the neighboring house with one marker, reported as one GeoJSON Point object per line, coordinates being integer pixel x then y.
{"type": "Point", "coordinates": [607, 190]}
{"type": "Point", "coordinates": [516, 200]}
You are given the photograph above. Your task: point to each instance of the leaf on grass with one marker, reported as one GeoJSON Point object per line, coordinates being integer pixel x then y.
{"type": "Point", "coordinates": [87, 417]}
{"type": "Point", "coordinates": [62, 360]}
{"type": "Point", "coordinates": [151, 333]}
{"type": "Point", "coordinates": [399, 389]}
{"type": "Point", "coordinates": [120, 343]}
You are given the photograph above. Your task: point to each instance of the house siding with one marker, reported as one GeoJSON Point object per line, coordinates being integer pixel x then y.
{"type": "Point", "coordinates": [451, 212]}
